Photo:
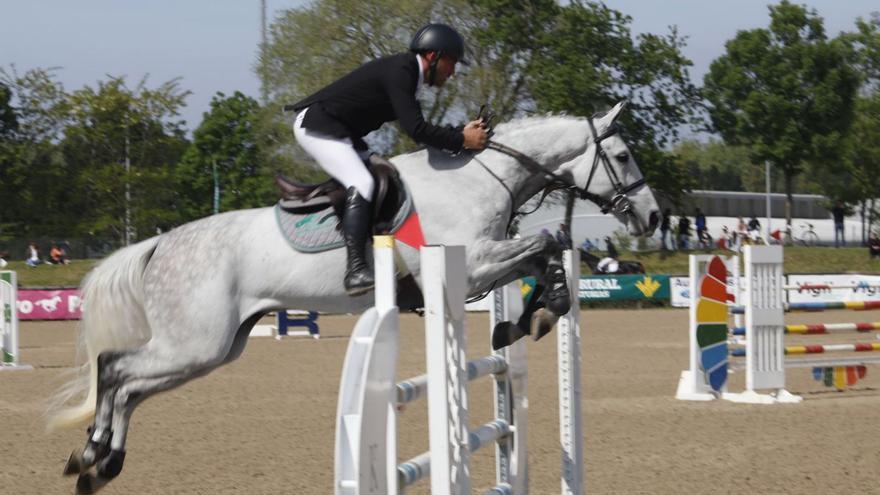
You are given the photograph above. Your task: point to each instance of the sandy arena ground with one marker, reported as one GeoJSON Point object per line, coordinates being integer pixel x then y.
{"type": "Point", "coordinates": [265, 424]}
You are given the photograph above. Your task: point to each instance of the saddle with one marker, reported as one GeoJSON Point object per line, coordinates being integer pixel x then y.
{"type": "Point", "coordinates": [387, 198]}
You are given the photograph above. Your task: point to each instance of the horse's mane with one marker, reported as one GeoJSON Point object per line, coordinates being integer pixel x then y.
{"type": "Point", "coordinates": [527, 124]}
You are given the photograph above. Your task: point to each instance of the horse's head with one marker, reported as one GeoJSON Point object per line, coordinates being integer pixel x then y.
{"type": "Point", "coordinates": [607, 173]}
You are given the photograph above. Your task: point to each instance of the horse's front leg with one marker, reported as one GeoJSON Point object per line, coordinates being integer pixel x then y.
{"type": "Point", "coordinates": [500, 262]}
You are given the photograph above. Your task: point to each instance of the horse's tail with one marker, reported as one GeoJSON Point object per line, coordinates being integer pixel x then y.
{"type": "Point", "coordinates": [113, 319]}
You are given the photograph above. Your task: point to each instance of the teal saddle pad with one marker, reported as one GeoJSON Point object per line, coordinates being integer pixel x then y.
{"type": "Point", "coordinates": [317, 232]}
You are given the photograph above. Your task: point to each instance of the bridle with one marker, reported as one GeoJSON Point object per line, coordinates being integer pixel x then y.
{"type": "Point", "coordinates": [618, 204]}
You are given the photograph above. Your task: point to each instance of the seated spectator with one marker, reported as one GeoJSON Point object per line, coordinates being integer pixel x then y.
{"type": "Point", "coordinates": [874, 245]}
{"type": "Point", "coordinates": [3, 256]}
{"type": "Point", "coordinates": [33, 255]}
{"type": "Point", "coordinates": [55, 255]}
{"type": "Point", "coordinates": [65, 252]}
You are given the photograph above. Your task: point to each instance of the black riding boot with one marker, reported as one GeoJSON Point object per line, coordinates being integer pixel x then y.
{"type": "Point", "coordinates": [355, 227]}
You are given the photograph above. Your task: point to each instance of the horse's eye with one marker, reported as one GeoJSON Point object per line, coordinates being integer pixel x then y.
{"type": "Point", "coordinates": [623, 157]}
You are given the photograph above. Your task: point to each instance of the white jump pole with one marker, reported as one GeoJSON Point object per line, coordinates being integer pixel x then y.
{"type": "Point", "coordinates": [568, 339]}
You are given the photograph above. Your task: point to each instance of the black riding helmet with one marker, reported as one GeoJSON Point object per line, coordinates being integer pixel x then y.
{"type": "Point", "coordinates": [440, 38]}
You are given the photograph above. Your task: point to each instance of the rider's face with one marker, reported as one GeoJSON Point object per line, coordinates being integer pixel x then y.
{"type": "Point", "coordinates": [445, 68]}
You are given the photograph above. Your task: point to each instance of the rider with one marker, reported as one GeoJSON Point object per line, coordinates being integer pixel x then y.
{"type": "Point", "coordinates": [331, 123]}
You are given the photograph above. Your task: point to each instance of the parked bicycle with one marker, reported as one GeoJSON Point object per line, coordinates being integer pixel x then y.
{"type": "Point", "coordinates": [806, 236]}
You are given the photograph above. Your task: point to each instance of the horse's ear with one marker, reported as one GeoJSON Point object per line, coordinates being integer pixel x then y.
{"type": "Point", "coordinates": [614, 113]}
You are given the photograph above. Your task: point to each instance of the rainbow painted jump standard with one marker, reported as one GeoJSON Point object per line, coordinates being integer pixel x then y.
{"type": "Point", "coordinates": [762, 307]}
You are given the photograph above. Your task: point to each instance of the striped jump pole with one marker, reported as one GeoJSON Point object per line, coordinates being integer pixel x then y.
{"type": "Point", "coordinates": [819, 349]}
{"type": "Point", "coordinates": [822, 306]}
{"type": "Point", "coordinates": [818, 306]}
{"type": "Point", "coordinates": [821, 328]}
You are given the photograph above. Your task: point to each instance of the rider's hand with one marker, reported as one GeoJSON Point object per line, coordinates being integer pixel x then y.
{"type": "Point", "coordinates": [475, 136]}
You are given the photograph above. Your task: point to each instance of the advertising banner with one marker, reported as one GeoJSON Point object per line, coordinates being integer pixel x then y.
{"type": "Point", "coordinates": [62, 304]}
{"type": "Point", "coordinates": [680, 290]}
{"type": "Point", "coordinates": [623, 287]}
{"type": "Point", "coordinates": [839, 288]}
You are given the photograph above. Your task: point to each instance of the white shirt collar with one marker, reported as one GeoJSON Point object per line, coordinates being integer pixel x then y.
{"type": "Point", "coordinates": [421, 73]}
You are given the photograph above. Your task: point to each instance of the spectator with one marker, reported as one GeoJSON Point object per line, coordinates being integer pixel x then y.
{"type": "Point", "coordinates": [55, 256]}
{"type": "Point", "coordinates": [742, 231]}
{"type": "Point", "coordinates": [33, 255]}
{"type": "Point", "coordinates": [612, 251]}
{"type": "Point", "coordinates": [562, 237]}
{"type": "Point", "coordinates": [754, 229]}
{"type": "Point", "coordinates": [874, 245]}
{"type": "Point", "coordinates": [838, 212]}
{"type": "Point", "coordinates": [722, 241]}
{"type": "Point", "coordinates": [3, 256]}
{"type": "Point", "coordinates": [664, 227]}
{"type": "Point", "coordinates": [700, 224]}
{"type": "Point", "coordinates": [65, 251]}
{"type": "Point", "coordinates": [587, 245]}
{"type": "Point", "coordinates": [684, 232]}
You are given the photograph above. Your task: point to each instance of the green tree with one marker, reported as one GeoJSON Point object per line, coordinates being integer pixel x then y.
{"type": "Point", "coordinates": [121, 145]}
{"type": "Point", "coordinates": [586, 58]}
{"type": "Point", "coordinates": [527, 56]}
{"type": "Point", "coordinates": [228, 148]}
{"type": "Point", "coordinates": [786, 92]}
{"type": "Point", "coordinates": [32, 172]}
{"type": "Point", "coordinates": [717, 166]}
{"type": "Point", "coordinates": [865, 41]}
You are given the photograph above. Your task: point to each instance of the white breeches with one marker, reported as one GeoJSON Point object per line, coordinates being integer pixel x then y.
{"type": "Point", "coordinates": [336, 156]}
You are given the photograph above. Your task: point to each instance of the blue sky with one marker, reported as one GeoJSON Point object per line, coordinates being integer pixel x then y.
{"type": "Point", "coordinates": [212, 45]}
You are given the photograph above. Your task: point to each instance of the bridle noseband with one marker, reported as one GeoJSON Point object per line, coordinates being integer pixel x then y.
{"type": "Point", "coordinates": [618, 204]}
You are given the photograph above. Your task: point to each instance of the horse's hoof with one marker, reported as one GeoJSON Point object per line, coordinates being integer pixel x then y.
{"type": "Point", "coordinates": [75, 464]}
{"type": "Point", "coordinates": [111, 465]}
{"type": "Point", "coordinates": [359, 291]}
{"type": "Point", "coordinates": [542, 323]}
{"type": "Point", "coordinates": [506, 333]}
{"type": "Point", "coordinates": [559, 304]}
{"type": "Point", "coordinates": [88, 483]}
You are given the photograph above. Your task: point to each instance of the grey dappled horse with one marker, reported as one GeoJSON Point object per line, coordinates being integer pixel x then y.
{"type": "Point", "coordinates": [178, 305]}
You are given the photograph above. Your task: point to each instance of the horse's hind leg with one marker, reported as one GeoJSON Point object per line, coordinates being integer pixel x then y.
{"type": "Point", "coordinates": [98, 443]}
{"type": "Point", "coordinates": [138, 375]}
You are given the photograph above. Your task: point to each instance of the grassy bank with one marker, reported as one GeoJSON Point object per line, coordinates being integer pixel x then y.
{"type": "Point", "coordinates": [797, 260]}
{"type": "Point", "coordinates": [51, 275]}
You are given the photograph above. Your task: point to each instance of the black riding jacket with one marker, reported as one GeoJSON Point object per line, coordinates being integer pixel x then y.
{"type": "Point", "coordinates": [379, 91]}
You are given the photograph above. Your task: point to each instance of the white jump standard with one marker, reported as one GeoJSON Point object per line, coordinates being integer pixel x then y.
{"type": "Point", "coordinates": [366, 436]}
{"type": "Point", "coordinates": [764, 306]}
{"type": "Point", "coordinates": [9, 358]}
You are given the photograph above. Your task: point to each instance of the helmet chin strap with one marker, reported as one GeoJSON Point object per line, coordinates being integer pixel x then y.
{"type": "Point", "coordinates": [432, 68]}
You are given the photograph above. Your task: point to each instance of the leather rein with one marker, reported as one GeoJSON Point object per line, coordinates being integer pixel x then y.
{"type": "Point", "coordinates": [619, 203]}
